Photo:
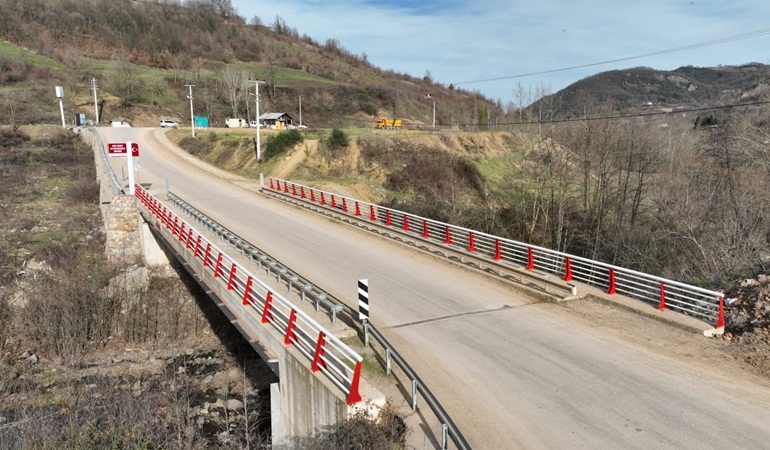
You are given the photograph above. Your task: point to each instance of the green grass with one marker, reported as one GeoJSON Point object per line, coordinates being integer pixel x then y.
{"type": "Point", "coordinates": [149, 73]}
{"type": "Point", "coordinates": [495, 170]}
{"type": "Point", "coordinates": [370, 366]}
{"type": "Point", "coordinates": [50, 399]}
{"type": "Point", "coordinates": [9, 50]}
{"type": "Point", "coordinates": [50, 376]}
{"type": "Point", "coordinates": [284, 77]}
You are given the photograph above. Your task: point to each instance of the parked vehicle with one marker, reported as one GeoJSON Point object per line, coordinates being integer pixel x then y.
{"type": "Point", "coordinates": [255, 124]}
{"type": "Point", "coordinates": [165, 123]}
{"type": "Point", "coordinates": [236, 123]}
{"type": "Point", "coordinates": [389, 123]}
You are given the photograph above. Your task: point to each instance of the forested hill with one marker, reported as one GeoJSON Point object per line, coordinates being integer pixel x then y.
{"type": "Point", "coordinates": [643, 89]}
{"type": "Point", "coordinates": [144, 52]}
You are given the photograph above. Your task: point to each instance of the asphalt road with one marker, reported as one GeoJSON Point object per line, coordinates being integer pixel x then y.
{"type": "Point", "coordinates": [512, 372]}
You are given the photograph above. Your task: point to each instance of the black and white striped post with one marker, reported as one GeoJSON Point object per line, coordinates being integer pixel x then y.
{"type": "Point", "coordinates": [363, 307]}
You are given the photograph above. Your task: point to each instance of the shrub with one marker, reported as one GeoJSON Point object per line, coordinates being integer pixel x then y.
{"type": "Point", "coordinates": [197, 147]}
{"type": "Point", "coordinates": [67, 311]}
{"type": "Point", "coordinates": [369, 109]}
{"type": "Point", "coordinates": [9, 138]}
{"type": "Point", "coordinates": [282, 143]}
{"type": "Point", "coordinates": [337, 140]}
{"type": "Point", "coordinates": [84, 190]}
{"type": "Point", "coordinates": [335, 145]}
{"type": "Point", "coordinates": [362, 432]}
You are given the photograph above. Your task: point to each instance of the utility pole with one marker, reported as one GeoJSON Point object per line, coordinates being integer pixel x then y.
{"type": "Point", "coordinates": [300, 111]}
{"type": "Point", "coordinates": [434, 113]}
{"type": "Point", "coordinates": [256, 94]}
{"type": "Point", "coordinates": [434, 109]}
{"type": "Point", "coordinates": [96, 105]}
{"type": "Point", "coordinates": [60, 96]}
{"type": "Point", "coordinates": [192, 117]}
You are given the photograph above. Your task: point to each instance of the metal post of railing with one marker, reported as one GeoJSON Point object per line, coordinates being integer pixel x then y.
{"type": "Point", "coordinates": [318, 299]}
{"type": "Point", "coordinates": [414, 395]}
{"type": "Point", "coordinates": [444, 432]}
{"type": "Point", "coordinates": [303, 329]}
{"type": "Point", "coordinates": [335, 306]}
{"type": "Point", "coordinates": [387, 361]}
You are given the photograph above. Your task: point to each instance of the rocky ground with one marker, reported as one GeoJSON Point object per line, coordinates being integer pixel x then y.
{"type": "Point", "coordinates": [747, 322]}
{"type": "Point", "coordinates": [84, 364]}
{"type": "Point", "coordinates": [197, 397]}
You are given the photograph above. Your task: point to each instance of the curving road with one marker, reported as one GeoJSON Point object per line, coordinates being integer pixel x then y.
{"type": "Point", "coordinates": [511, 371]}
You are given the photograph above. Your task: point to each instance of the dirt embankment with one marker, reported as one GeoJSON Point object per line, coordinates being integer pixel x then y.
{"type": "Point", "coordinates": [747, 322]}
{"type": "Point", "coordinates": [359, 170]}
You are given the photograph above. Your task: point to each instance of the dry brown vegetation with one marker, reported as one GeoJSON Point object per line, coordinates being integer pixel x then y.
{"type": "Point", "coordinates": [678, 201]}
{"type": "Point", "coordinates": [67, 379]}
{"type": "Point", "coordinates": [94, 356]}
{"type": "Point", "coordinates": [684, 203]}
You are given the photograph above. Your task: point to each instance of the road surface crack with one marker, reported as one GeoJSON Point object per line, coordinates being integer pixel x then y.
{"type": "Point", "coordinates": [452, 316]}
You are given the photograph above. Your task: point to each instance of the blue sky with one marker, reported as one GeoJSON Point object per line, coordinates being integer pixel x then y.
{"type": "Point", "coordinates": [461, 42]}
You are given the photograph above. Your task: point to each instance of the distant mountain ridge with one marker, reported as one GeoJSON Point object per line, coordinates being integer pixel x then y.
{"type": "Point", "coordinates": [642, 88]}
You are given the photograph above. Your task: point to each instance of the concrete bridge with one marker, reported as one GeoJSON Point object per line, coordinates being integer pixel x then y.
{"type": "Point", "coordinates": [512, 369]}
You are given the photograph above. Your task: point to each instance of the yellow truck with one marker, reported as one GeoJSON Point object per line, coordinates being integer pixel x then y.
{"type": "Point", "coordinates": [390, 124]}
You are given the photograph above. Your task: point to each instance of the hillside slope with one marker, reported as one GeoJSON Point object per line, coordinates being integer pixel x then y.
{"type": "Point", "coordinates": [143, 54]}
{"type": "Point", "coordinates": [642, 89]}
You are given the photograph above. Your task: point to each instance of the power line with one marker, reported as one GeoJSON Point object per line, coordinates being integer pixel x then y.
{"type": "Point", "coordinates": [724, 40]}
{"type": "Point", "coordinates": [584, 119]}
{"type": "Point", "coordinates": [628, 116]}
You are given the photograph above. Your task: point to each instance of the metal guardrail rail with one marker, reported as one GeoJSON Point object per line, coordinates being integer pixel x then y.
{"type": "Point", "coordinates": [311, 292]}
{"type": "Point", "coordinates": [307, 289]}
{"type": "Point", "coordinates": [264, 261]}
{"type": "Point", "coordinates": [116, 188]}
{"type": "Point", "coordinates": [335, 359]}
{"type": "Point", "coordinates": [488, 249]}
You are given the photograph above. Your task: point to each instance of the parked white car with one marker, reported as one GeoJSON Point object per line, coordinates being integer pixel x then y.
{"type": "Point", "coordinates": [165, 123]}
{"type": "Point", "coordinates": [255, 124]}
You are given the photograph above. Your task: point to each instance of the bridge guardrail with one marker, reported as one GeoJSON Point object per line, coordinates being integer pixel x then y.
{"type": "Point", "coordinates": [264, 261]}
{"type": "Point", "coordinates": [449, 429]}
{"type": "Point", "coordinates": [116, 187]}
{"type": "Point", "coordinates": [334, 306]}
{"type": "Point", "coordinates": [702, 303]}
{"type": "Point", "coordinates": [335, 359]}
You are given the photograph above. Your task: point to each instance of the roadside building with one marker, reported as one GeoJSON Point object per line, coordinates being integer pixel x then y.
{"type": "Point", "coordinates": [277, 121]}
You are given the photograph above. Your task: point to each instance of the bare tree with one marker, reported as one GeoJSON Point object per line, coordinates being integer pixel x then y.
{"type": "Point", "coordinates": [11, 102]}
{"type": "Point", "coordinates": [236, 82]}
{"type": "Point", "coordinates": [270, 78]}
{"type": "Point", "coordinates": [223, 7]}
{"type": "Point", "coordinates": [523, 97]}
{"type": "Point", "coordinates": [125, 82]}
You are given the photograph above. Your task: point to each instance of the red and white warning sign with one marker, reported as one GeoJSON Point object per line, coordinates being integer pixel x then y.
{"type": "Point", "coordinates": [119, 149]}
